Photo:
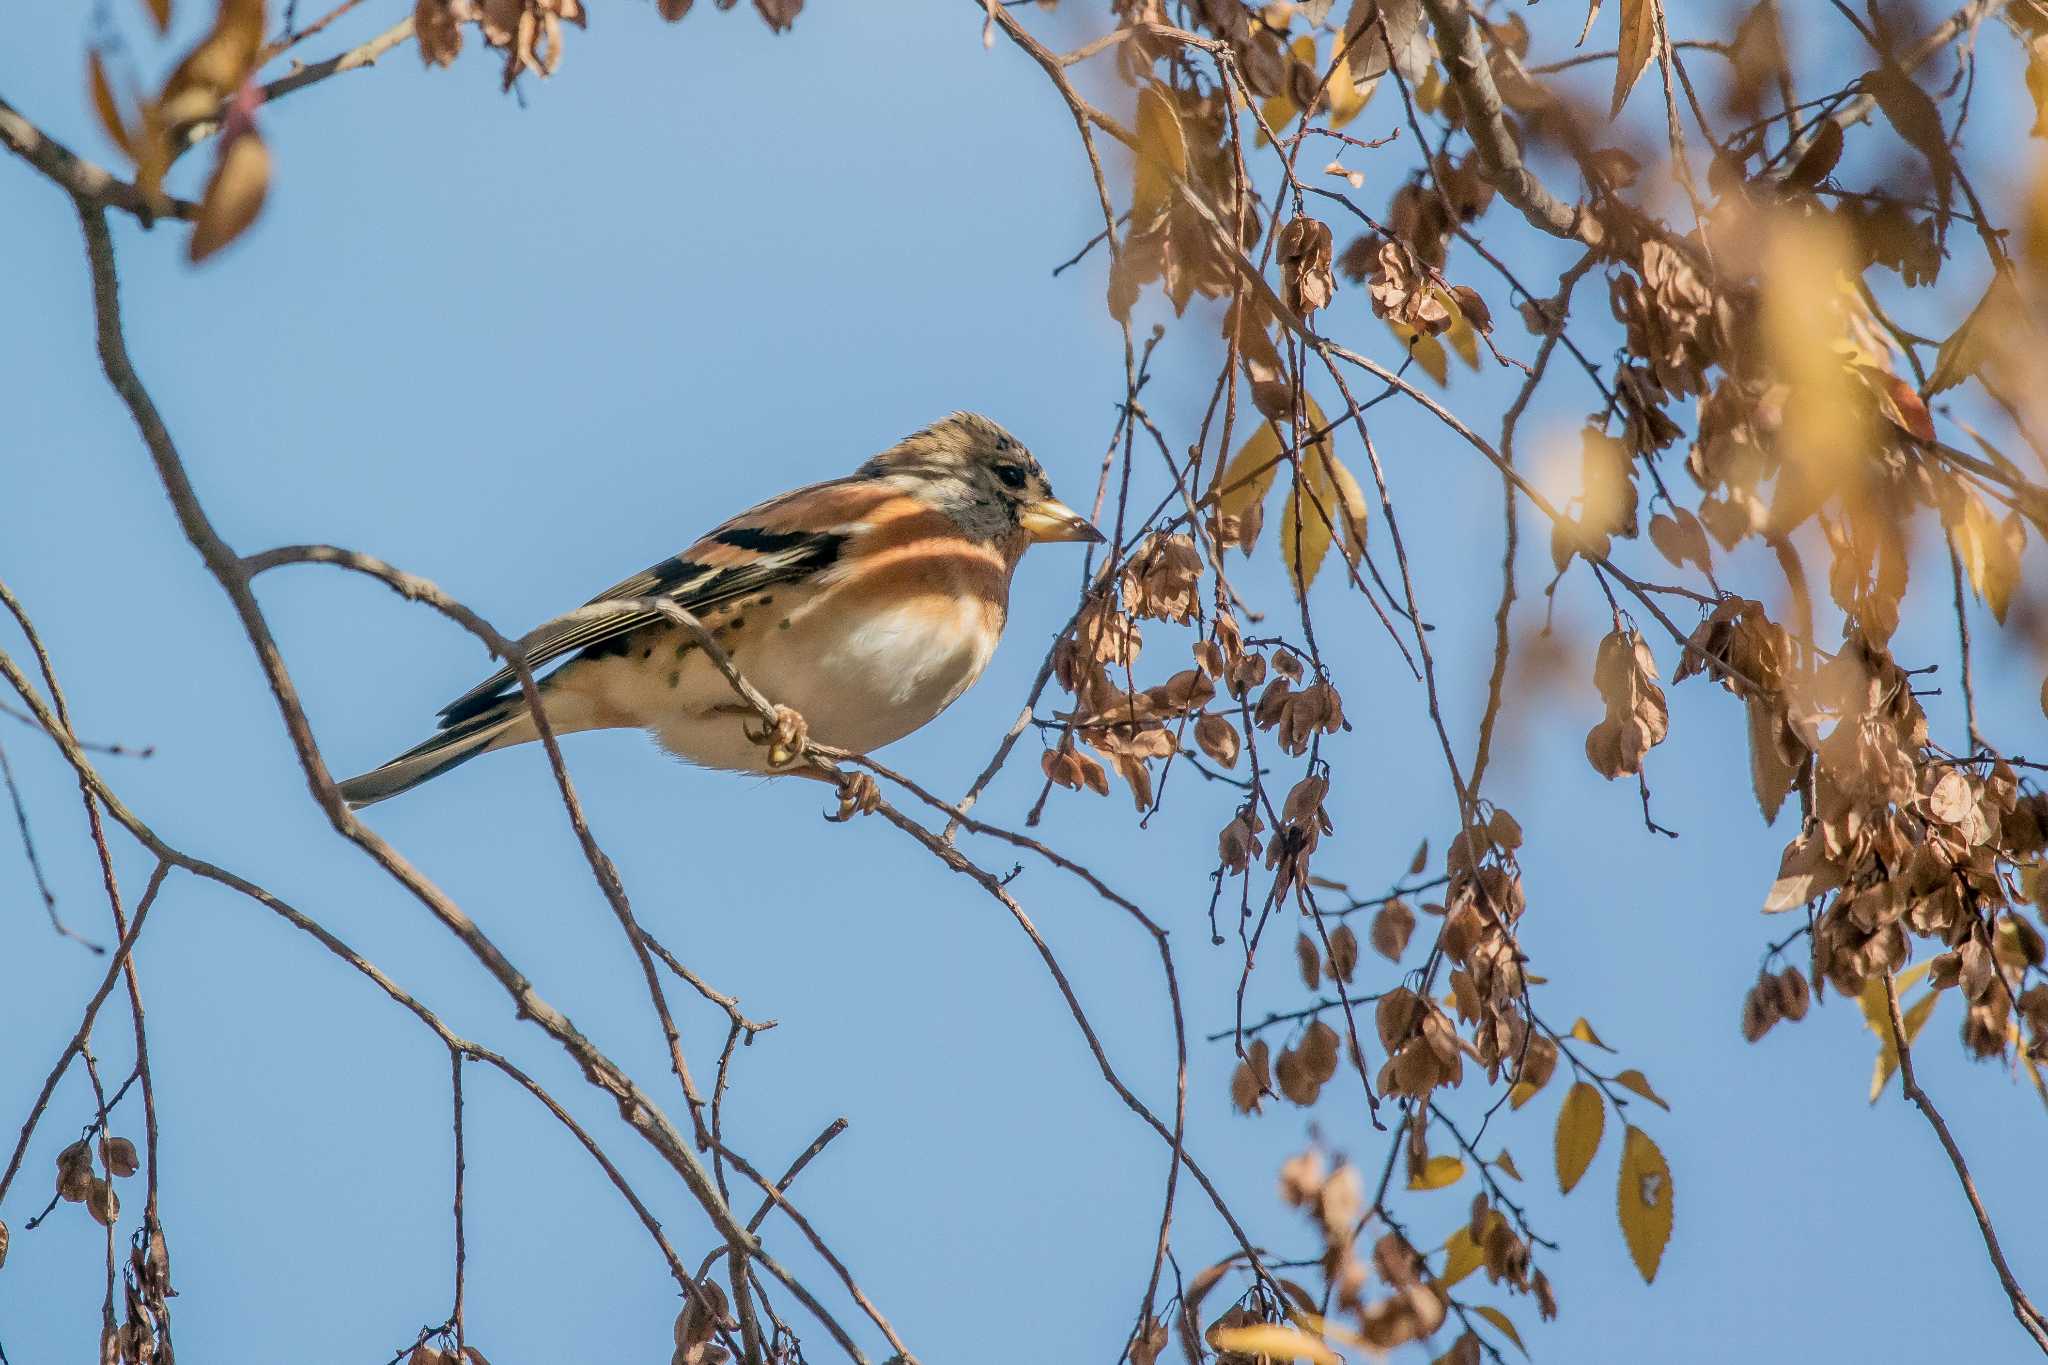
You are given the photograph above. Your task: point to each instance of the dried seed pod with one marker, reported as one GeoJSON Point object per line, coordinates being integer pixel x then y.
{"type": "Point", "coordinates": [1306, 958]}
{"type": "Point", "coordinates": [1343, 952]}
{"type": "Point", "coordinates": [102, 1203]}
{"type": "Point", "coordinates": [1219, 739]}
{"type": "Point", "coordinates": [1759, 1009]}
{"type": "Point", "coordinates": [119, 1156]}
{"type": "Point", "coordinates": [1792, 994]}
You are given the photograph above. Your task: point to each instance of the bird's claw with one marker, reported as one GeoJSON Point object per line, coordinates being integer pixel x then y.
{"type": "Point", "coordinates": [787, 737]}
{"type": "Point", "coordinates": [859, 794]}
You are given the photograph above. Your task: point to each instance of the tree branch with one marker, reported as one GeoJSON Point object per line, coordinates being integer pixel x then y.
{"type": "Point", "coordinates": [2022, 1307]}
{"type": "Point", "coordinates": [84, 180]}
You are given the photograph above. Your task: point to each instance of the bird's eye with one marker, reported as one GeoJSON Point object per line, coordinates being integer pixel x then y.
{"type": "Point", "coordinates": [1012, 475]}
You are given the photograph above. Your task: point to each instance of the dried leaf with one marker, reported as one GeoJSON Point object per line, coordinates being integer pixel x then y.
{"type": "Point", "coordinates": [1819, 158]}
{"type": "Point", "coordinates": [1580, 1121]}
{"type": "Point", "coordinates": [1638, 1082]}
{"type": "Point", "coordinates": [1310, 962]}
{"type": "Point", "coordinates": [1505, 1164]}
{"type": "Point", "coordinates": [1638, 41]}
{"type": "Point", "coordinates": [1643, 1198]}
{"type": "Point", "coordinates": [437, 31]}
{"type": "Point", "coordinates": [1770, 775]}
{"type": "Point", "coordinates": [106, 106]}
{"type": "Point", "coordinates": [1391, 927]}
{"type": "Point", "coordinates": [234, 196]}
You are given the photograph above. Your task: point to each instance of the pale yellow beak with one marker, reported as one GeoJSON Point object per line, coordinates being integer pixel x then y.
{"type": "Point", "coordinates": [1054, 520]}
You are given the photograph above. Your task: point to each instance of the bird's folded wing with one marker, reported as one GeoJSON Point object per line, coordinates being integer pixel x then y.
{"type": "Point", "coordinates": [741, 557]}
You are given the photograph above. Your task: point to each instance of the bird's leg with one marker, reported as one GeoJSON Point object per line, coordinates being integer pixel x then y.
{"type": "Point", "coordinates": [787, 737]}
{"type": "Point", "coordinates": [859, 794]}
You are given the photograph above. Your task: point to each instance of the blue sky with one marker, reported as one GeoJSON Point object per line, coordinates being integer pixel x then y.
{"type": "Point", "coordinates": [525, 351]}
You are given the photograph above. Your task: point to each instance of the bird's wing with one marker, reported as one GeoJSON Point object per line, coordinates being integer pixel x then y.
{"type": "Point", "coordinates": [795, 536]}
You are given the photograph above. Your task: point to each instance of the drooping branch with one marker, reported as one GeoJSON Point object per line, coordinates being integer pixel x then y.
{"type": "Point", "coordinates": [2023, 1308]}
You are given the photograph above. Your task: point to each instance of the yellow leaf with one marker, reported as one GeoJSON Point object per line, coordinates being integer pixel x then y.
{"type": "Point", "coordinates": [1914, 1018]}
{"type": "Point", "coordinates": [1462, 1256]}
{"type": "Point", "coordinates": [1162, 153]}
{"type": "Point", "coordinates": [1638, 39]}
{"type": "Point", "coordinates": [1505, 1164]}
{"type": "Point", "coordinates": [1429, 352]}
{"type": "Point", "coordinates": [1438, 1172]}
{"type": "Point", "coordinates": [1347, 97]}
{"type": "Point", "coordinates": [1250, 472]}
{"type": "Point", "coordinates": [233, 197]}
{"type": "Point", "coordinates": [1990, 551]}
{"type": "Point", "coordinates": [1461, 337]}
{"type": "Point", "coordinates": [1644, 1201]}
{"type": "Point", "coordinates": [1350, 510]}
{"type": "Point", "coordinates": [1273, 1340]}
{"type": "Point", "coordinates": [1521, 1094]}
{"type": "Point", "coordinates": [1580, 1121]}
{"type": "Point", "coordinates": [106, 106]}
{"type": "Point", "coordinates": [1638, 1082]}
{"type": "Point", "coordinates": [1500, 1320]}
{"type": "Point", "coordinates": [1583, 1031]}
{"type": "Point", "coordinates": [1305, 520]}
{"type": "Point", "coordinates": [1996, 315]}
{"type": "Point", "coordinates": [2034, 1075]}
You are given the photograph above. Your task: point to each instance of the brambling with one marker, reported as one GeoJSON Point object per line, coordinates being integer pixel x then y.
{"type": "Point", "coordinates": [866, 604]}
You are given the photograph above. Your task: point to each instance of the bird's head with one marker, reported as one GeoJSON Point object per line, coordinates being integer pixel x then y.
{"type": "Point", "coordinates": [984, 477]}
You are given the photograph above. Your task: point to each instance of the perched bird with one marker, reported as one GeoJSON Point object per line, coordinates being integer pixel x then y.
{"type": "Point", "coordinates": [867, 604]}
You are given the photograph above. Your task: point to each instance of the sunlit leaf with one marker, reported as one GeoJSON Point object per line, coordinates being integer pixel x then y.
{"type": "Point", "coordinates": [1580, 1121]}
{"type": "Point", "coordinates": [106, 106]}
{"type": "Point", "coordinates": [1462, 1256]}
{"type": "Point", "coordinates": [1643, 1198]}
{"type": "Point", "coordinates": [1500, 1320]}
{"type": "Point", "coordinates": [1638, 40]}
{"type": "Point", "coordinates": [1428, 351]}
{"type": "Point", "coordinates": [1583, 1031]}
{"type": "Point", "coordinates": [1274, 1340]}
{"type": "Point", "coordinates": [1505, 1164]}
{"type": "Point", "coordinates": [1306, 517]}
{"type": "Point", "coordinates": [1437, 1173]}
{"type": "Point", "coordinates": [1162, 152]}
{"type": "Point", "coordinates": [1638, 1082]}
{"type": "Point", "coordinates": [234, 196]}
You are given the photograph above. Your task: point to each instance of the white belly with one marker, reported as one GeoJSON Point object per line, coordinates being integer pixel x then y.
{"type": "Point", "coordinates": [859, 681]}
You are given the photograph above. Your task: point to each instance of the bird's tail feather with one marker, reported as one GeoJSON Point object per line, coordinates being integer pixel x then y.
{"type": "Point", "coordinates": [455, 745]}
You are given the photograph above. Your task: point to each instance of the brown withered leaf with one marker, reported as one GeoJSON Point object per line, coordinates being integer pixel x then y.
{"type": "Point", "coordinates": [1638, 41]}
{"type": "Point", "coordinates": [106, 106]}
{"type": "Point", "coordinates": [1218, 739]}
{"type": "Point", "coordinates": [1391, 928]}
{"type": "Point", "coordinates": [1304, 256]}
{"type": "Point", "coordinates": [234, 196]}
{"type": "Point", "coordinates": [102, 1203]}
{"type": "Point", "coordinates": [119, 1156]}
{"type": "Point", "coordinates": [779, 14]}
{"type": "Point", "coordinates": [1343, 952]}
{"type": "Point", "coordinates": [1912, 113]}
{"type": "Point", "coordinates": [1309, 960]}
{"type": "Point", "coordinates": [1819, 158]}
{"type": "Point", "coordinates": [438, 32]}
{"type": "Point", "coordinates": [1681, 539]}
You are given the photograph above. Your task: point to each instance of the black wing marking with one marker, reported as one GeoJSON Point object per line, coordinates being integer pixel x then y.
{"type": "Point", "coordinates": [774, 557]}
